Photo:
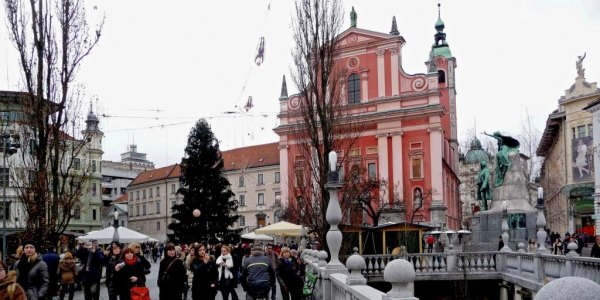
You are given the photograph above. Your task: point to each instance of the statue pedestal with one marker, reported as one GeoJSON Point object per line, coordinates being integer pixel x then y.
{"type": "Point", "coordinates": [486, 226]}
{"type": "Point", "coordinates": [513, 190]}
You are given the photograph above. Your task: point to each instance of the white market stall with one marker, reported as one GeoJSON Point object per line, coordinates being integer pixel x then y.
{"type": "Point", "coordinates": [256, 237]}
{"type": "Point", "coordinates": [282, 228]}
{"type": "Point", "coordinates": [105, 236]}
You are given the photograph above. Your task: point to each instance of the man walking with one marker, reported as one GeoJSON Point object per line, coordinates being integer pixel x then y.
{"type": "Point", "coordinates": [51, 259]}
{"type": "Point", "coordinates": [92, 269]}
{"type": "Point", "coordinates": [258, 276]}
{"type": "Point", "coordinates": [274, 261]}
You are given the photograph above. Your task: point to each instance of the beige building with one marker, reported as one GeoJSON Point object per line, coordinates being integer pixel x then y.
{"type": "Point", "coordinates": [567, 174]}
{"type": "Point", "coordinates": [150, 197]}
{"type": "Point", "coordinates": [255, 180]}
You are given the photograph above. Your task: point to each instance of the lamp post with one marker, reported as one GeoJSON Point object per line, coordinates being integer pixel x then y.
{"type": "Point", "coordinates": [541, 222]}
{"type": "Point", "coordinates": [9, 147]}
{"type": "Point", "coordinates": [116, 226]}
{"type": "Point", "coordinates": [333, 215]}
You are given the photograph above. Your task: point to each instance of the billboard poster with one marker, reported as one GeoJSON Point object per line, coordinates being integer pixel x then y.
{"type": "Point", "coordinates": [583, 160]}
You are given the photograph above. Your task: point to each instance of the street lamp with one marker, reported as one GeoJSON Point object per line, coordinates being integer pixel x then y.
{"type": "Point", "coordinates": [116, 225]}
{"type": "Point", "coordinates": [9, 147]}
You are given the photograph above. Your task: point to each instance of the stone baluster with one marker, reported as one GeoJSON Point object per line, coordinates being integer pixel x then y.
{"type": "Point", "coordinates": [442, 264]}
{"type": "Point", "coordinates": [355, 264]}
{"type": "Point", "coordinates": [541, 223]}
{"type": "Point", "coordinates": [400, 273]}
{"type": "Point", "coordinates": [522, 248]}
{"type": "Point", "coordinates": [322, 255]}
{"type": "Point", "coordinates": [505, 228]}
{"type": "Point", "coordinates": [418, 264]}
{"type": "Point", "coordinates": [486, 263]}
{"type": "Point", "coordinates": [376, 265]}
{"type": "Point", "coordinates": [369, 265]}
{"type": "Point", "coordinates": [383, 264]}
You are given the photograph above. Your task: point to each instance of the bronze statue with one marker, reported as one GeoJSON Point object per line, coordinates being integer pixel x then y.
{"type": "Point", "coordinates": [484, 187]}
{"type": "Point", "coordinates": [353, 17]}
{"type": "Point", "coordinates": [506, 144]}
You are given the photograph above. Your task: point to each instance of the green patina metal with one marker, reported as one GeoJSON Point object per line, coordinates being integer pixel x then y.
{"type": "Point", "coordinates": [484, 187]}
{"type": "Point", "coordinates": [506, 145]}
{"type": "Point", "coordinates": [353, 17]}
{"type": "Point", "coordinates": [476, 154]}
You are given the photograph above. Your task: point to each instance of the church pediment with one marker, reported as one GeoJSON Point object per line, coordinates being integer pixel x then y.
{"type": "Point", "coordinates": [354, 36]}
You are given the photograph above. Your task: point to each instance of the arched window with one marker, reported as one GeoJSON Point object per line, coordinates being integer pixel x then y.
{"type": "Point", "coordinates": [353, 88]}
{"type": "Point", "coordinates": [441, 76]}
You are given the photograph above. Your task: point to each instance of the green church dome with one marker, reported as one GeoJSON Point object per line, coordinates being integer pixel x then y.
{"type": "Point", "coordinates": [476, 153]}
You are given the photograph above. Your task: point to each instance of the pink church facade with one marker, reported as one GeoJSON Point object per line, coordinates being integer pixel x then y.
{"type": "Point", "coordinates": [410, 136]}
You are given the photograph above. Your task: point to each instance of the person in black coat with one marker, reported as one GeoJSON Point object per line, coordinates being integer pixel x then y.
{"type": "Point", "coordinates": [51, 259]}
{"type": "Point", "coordinates": [92, 269]}
{"type": "Point", "coordinates": [129, 272]}
{"type": "Point", "coordinates": [596, 248]}
{"type": "Point", "coordinates": [288, 276]}
{"type": "Point", "coordinates": [204, 284]}
{"type": "Point", "coordinates": [172, 275]}
{"type": "Point", "coordinates": [137, 249]}
{"type": "Point", "coordinates": [112, 259]}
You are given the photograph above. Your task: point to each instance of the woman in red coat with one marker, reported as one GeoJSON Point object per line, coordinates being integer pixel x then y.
{"type": "Point", "coordinates": [129, 272]}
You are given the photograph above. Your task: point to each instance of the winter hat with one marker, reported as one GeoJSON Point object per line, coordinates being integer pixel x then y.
{"type": "Point", "coordinates": [32, 243]}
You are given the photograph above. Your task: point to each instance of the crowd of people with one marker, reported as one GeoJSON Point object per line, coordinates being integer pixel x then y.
{"type": "Point", "coordinates": [197, 271]}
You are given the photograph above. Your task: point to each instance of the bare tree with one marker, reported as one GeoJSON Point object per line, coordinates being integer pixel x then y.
{"type": "Point", "coordinates": [530, 140]}
{"type": "Point", "coordinates": [362, 193]}
{"type": "Point", "coordinates": [52, 38]}
{"type": "Point", "coordinates": [323, 123]}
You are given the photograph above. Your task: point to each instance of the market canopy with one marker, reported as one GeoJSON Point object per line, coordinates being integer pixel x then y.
{"type": "Point", "coordinates": [256, 237]}
{"type": "Point", "coordinates": [105, 236]}
{"type": "Point", "coordinates": [281, 228]}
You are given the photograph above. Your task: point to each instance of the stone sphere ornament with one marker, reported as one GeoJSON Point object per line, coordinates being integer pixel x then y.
{"type": "Point", "coordinates": [196, 213]}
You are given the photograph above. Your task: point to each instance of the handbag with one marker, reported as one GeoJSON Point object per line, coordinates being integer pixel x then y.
{"type": "Point", "coordinates": [140, 293]}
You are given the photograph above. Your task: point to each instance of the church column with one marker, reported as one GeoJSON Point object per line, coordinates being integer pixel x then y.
{"type": "Point", "coordinates": [364, 88]}
{"type": "Point", "coordinates": [383, 155]}
{"type": "Point", "coordinates": [283, 172]}
{"type": "Point", "coordinates": [437, 208]}
{"type": "Point", "coordinates": [394, 61]}
{"type": "Point", "coordinates": [380, 73]}
{"type": "Point", "coordinates": [397, 161]}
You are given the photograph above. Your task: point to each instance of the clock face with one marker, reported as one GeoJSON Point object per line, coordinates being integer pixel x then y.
{"type": "Point", "coordinates": [439, 61]}
{"type": "Point", "coordinates": [294, 103]}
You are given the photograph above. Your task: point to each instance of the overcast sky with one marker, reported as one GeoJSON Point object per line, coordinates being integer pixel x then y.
{"type": "Point", "coordinates": [161, 66]}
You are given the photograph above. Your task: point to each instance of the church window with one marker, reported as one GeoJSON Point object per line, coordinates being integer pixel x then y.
{"type": "Point", "coordinates": [372, 170]}
{"type": "Point", "coordinates": [416, 167]}
{"type": "Point", "coordinates": [354, 88]}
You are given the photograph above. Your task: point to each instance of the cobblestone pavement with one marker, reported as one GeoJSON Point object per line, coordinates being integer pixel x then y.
{"type": "Point", "coordinates": [151, 284]}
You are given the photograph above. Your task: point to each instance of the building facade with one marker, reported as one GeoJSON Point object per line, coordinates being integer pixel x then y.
{"type": "Point", "coordinates": [116, 176]}
{"type": "Point", "coordinates": [87, 215]}
{"type": "Point", "coordinates": [150, 197]}
{"type": "Point", "coordinates": [567, 173]}
{"type": "Point", "coordinates": [410, 135]}
{"type": "Point", "coordinates": [85, 168]}
{"type": "Point", "coordinates": [255, 180]}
